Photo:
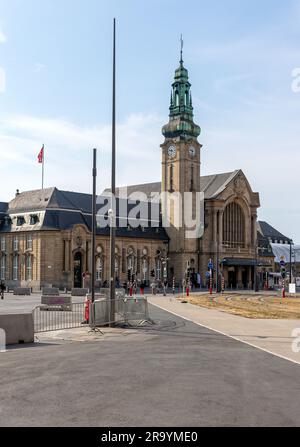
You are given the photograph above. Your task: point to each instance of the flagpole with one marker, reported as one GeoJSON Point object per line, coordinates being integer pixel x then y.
{"type": "Point", "coordinates": [43, 167]}
{"type": "Point", "coordinates": [113, 190]}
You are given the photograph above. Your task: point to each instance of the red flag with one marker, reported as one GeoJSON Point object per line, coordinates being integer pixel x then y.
{"type": "Point", "coordinates": [41, 155]}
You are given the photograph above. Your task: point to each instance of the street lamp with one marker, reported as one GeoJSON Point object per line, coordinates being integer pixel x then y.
{"type": "Point", "coordinates": [291, 252]}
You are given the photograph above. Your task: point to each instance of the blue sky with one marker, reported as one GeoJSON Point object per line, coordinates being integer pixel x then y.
{"type": "Point", "coordinates": [55, 88]}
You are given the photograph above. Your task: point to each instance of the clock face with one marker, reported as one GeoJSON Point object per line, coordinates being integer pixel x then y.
{"type": "Point", "coordinates": [172, 151]}
{"type": "Point", "coordinates": [192, 151]}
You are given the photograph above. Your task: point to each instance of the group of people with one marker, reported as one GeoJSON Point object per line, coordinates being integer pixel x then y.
{"type": "Point", "coordinates": [133, 286]}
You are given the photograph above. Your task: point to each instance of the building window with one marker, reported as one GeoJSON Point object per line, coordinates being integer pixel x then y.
{"type": "Point", "coordinates": [145, 269]}
{"type": "Point", "coordinates": [16, 243]}
{"type": "Point", "coordinates": [29, 268]}
{"type": "Point", "coordinates": [16, 268]}
{"type": "Point", "coordinates": [186, 98]}
{"type": "Point", "coordinates": [234, 226]}
{"type": "Point", "coordinates": [3, 268]}
{"type": "Point", "coordinates": [192, 178]}
{"type": "Point", "coordinates": [3, 244]}
{"type": "Point", "coordinates": [158, 268]}
{"type": "Point", "coordinates": [130, 267]}
{"type": "Point", "coordinates": [176, 98]}
{"type": "Point", "coordinates": [99, 269]}
{"type": "Point", "coordinates": [33, 219]}
{"type": "Point", "coordinates": [171, 178]}
{"type": "Point", "coordinates": [20, 221]}
{"type": "Point", "coordinates": [29, 242]}
{"type": "Point", "coordinates": [117, 267]}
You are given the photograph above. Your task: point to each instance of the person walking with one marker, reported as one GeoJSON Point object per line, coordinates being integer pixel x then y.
{"type": "Point", "coordinates": [2, 289]}
{"type": "Point", "coordinates": [165, 287]}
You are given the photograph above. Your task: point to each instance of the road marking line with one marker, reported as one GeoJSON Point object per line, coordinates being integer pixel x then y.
{"type": "Point", "coordinates": [227, 335]}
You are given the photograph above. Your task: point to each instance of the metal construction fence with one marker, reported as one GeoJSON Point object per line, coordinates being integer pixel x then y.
{"type": "Point", "coordinates": [55, 318]}
{"type": "Point", "coordinates": [128, 311]}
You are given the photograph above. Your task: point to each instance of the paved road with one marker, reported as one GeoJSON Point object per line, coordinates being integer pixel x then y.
{"type": "Point", "coordinates": [19, 304]}
{"type": "Point", "coordinates": [276, 336]}
{"type": "Point", "coordinates": [177, 374]}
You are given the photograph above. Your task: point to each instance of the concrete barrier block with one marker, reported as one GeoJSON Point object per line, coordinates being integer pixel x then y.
{"type": "Point", "coordinates": [79, 292]}
{"type": "Point", "coordinates": [22, 291]}
{"type": "Point", "coordinates": [50, 291]}
{"type": "Point", "coordinates": [19, 328]}
{"type": "Point", "coordinates": [52, 302]}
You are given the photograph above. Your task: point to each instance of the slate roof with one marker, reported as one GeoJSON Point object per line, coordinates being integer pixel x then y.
{"type": "Point", "coordinates": [268, 231]}
{"type": "Point", "coordinates": [50, 198]}
{"type": "Point", "coordinates": [60, 210]}
{"type": "Point", "coordinates": [211, 185]}
{"type": "Point", "coordinates": [3, 207]}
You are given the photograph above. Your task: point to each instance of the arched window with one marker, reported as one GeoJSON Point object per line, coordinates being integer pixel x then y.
{"type": "Point", "coordinates": [234, 226]}
{"type": "Point", "coordinates": [186, 96]}
{"type": "Point", "coordinates": [131, 265]}
{"type": "Point", "coordinates": [145, 269]}
{"type": "Point", "coordinates": [117, 267]}
{"type": "Point", "coordinates": [99, 269]}
{"type": "Point", "coordinates": [158, 268]}
{"type": "Point", "coordinates": [176, 98]}
{"type": "Point", "coordinates": [192, 178]}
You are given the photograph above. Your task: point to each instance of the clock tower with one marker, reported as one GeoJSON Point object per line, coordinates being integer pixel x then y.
{"type": "Point", "coordinates": [181, 174]}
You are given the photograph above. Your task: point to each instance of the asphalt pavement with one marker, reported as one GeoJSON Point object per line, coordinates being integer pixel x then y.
{"type": "Point", "coordinates": [175, 373]}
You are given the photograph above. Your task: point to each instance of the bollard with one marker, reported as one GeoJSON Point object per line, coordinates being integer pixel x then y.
{"type": "Point", "coordinates": [87, 310]}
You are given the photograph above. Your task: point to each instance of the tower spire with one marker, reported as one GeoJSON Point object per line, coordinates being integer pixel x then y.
{"type": "Point", "coordinates": [181, 50]}
{"type": "Point", "coordinates": [181, 123]}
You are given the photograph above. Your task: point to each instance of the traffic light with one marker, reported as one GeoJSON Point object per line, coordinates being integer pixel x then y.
{"type": "Point", "coordinates": [283, 272]}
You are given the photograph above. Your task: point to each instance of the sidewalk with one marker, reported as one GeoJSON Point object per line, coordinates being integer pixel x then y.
{"type": "Point", "coordinates": [274, 336]}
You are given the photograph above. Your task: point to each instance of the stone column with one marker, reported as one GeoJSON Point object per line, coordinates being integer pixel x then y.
{"type": "Point", "coordinates": [254, 228]}
{"type": "Point", "coordinates": [214, 235]}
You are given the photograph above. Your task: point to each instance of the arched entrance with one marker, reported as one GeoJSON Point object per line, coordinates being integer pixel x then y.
{"type": "Point", "coordinates": [78, 270]}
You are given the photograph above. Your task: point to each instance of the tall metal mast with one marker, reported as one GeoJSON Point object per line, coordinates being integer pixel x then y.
{"type": "Point", "coordinates": [113, 189]}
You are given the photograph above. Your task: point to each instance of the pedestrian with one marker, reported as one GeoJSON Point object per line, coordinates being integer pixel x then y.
{"type": "Point", "coordinates": [153, 287]}
{"type": "Point", "coordinates": [165, 287]}
{"type": "Point", "coordinates": [2, 289]}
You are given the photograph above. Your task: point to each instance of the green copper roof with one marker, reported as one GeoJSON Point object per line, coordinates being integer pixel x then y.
{"type": "Point", "coordinates": [181, 122]}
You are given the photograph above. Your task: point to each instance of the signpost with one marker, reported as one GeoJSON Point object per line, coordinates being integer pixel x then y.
{"type": "Point", "coordinates": [210, 268]}
{"type": "Point", "coordinates": [283, 274]}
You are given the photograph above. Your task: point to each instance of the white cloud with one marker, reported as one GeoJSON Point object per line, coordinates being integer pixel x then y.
{"type": "Point", "coordinates": [2, 37]}
{"type": "Point", "coordinates": [68, 152]}
{"type": "Point", "coordinates": [38, 67]}
{"type": "Point", "coordinates": [2, 80]}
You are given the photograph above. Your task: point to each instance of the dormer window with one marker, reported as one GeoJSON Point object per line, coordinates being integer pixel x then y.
{"type": "Point", "coordinates": [7, 220]}
{"type": "Point", "coordinates": [34, 218]}
{"type": "Point", "coordinates": [20, 221]}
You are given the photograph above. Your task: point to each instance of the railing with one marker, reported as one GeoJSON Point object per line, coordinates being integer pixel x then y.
{"type": "Point", "coordinates": [54, 318]}
{"type": "Point", "coordinates": [128, 310]}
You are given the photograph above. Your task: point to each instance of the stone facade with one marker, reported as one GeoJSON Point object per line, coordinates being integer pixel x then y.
{"type": "Point", "coordinates": [55, 254]}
